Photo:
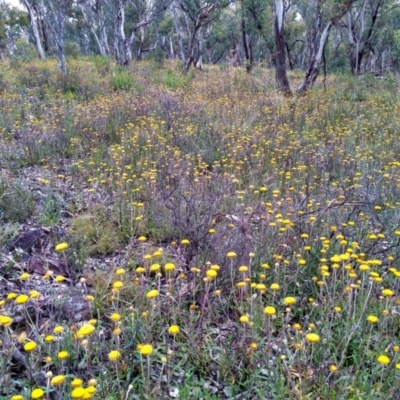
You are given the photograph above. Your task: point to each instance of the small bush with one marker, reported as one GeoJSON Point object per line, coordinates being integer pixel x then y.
{"type": "Point", "coordinates": [174, 81]}
{"type": "Point", "coordinates": [16, 203]}
{"type": "Point", "coordinates": [24, 52]}
{"type": "Point", "coordinates": [122, 80]}
{"type": "Point", "coordinates": [103, 64]}
{"type": "Point", "coordinates": [96, 232]}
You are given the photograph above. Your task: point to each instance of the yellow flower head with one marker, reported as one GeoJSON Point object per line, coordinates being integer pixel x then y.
{"type": "Point", "coordinates": [211, 273]}
{"type": "Point", "coordinates": [34, 294]}
{"type": "Point", "coordinates": [269, 310]}
{"type": "Point", "coordinates": [85, 330]}
{"type": "Point", "coordinates": [117, 285]}
{"type": "Point", "coordinates": [387, 293]}
{"type": "Point", "coordinates": [58, 329]}
{"type": "Point", "coordinates": [274, 286]}
{"type": "Point", "coordinates": [30, 346]}
{"type": "Point", "coordinates": [25, 276]}
{"type": "Point", "coordinates": [5, 320]}
{"type": "Point", "coordinates": [155, 267]}
{"type": "Point", "coordinates": [115, 317]}
{"type": "Point", "coordinates": [146, 349]}
{"type": "Point", "coordinates": [297, 326]}
{"type": "Point", "coordinates": [62, 355]}
{"type": "Point", "coordinates": [289, 301]}
{"type": "Point", "coordinates": [57, 380]}
{"type": "Point", "coordinates": [114, 355]}
{"type": "Point", "coordinates": [383, 359]}
{"type": "Point", "coordinates": [76, 382]}
{"type": "Point", "coordinates": [169, 267]}
{"type": "Point", "coordinates": [372, 319]}
{"type": "Point", "coordinates": [78, 393]}
{"type": "Point", "coordinates": [173, 330]}
{"type": "Point", "coordinates": [312, 338]}
{"type": "Point", "coordinates": [152, 294]}
{"type": "Point", "coordinates": [11, 296]}
{"type": "Point", "coordinates": [333, 368]}
{"type": "Point", "coordinates": [62, 246]}
{"type": "Point", "coordinates": [37, 393]}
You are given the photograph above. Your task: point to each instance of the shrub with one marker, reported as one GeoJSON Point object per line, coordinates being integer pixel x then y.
{"type": "Point", "coordinates": [16, 202]}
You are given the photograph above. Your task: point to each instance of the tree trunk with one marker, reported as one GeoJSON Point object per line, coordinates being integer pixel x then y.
{"type": "Point", "coordinates": [248, 62]}
{"type": "Point", "coordinates": [289, 57]}
{"type": "Point", "coordinates": [280, 48]}
{"type": "Point", "coordinates": [199, 59]}
{"type": "Point", "coordinates": [89, 20]}
{"type": "Point", "coordinates": [315, 61]}
{"type": "Point", "coordinates": [34, 26]}
{"type": "Point", "coordinates": [171, 48]}
{"type": "Point", "coordinates": [192, 43]}
{"type": "Point", "coordinates": [98, 42]}
{"type": "Point", "coordinates": [179, 34]}
{"type": "Point", "coordinates": [60, 38]}
{"type": "Point", "coordinates": [358, 43]}
{"type": "Point", "coordinates": [126, 43]}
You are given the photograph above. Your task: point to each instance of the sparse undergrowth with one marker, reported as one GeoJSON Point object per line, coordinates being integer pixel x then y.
{"type": "Point", "coordinates": [214, 240]}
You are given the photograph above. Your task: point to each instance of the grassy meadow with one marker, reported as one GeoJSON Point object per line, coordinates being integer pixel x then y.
{"type": "Point", "coordinates": [199, 236]}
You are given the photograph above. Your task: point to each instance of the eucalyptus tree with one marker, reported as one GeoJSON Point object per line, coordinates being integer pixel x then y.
{"type": "Point", "coordinates": [320, 16]}
{"type": "Point", "coordinates": [55, 14]}
{"type": "Point", "coordinates": [31, 8]}
{"type": "Point", "coordinates": [95, 13]}
{"type": "Point", "coordinates": [13, 26]}
{"type": "Point", "coordinates": [280, 47]}
{"type": "Point", "coordinates": [366, 21]}
{"type": "Point", "coordinates": [222, 42]}
{"type": "Point", "coordinates": [131, 17]}
{"type": "Point", "coordinates": [256, 20]}
{"type": "Point", "coordinates": [192, 21]}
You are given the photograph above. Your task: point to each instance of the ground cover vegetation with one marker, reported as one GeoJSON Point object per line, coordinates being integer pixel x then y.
{"type": "Point", "coordinates": [198, 235]}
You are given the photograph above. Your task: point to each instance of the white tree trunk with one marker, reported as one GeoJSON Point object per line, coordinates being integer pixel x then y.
{"type": "Point", "coordinates": [32, 18]}
{"type": "Point", "coordinates": [315, 64]}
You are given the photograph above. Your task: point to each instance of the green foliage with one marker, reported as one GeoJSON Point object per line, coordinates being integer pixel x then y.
{"type": "Point", "coordinates": [7, 232]}
{"type": "Point", "coordinates": [35, 75]}
{"type": "Point", "coordinates": [16, 204]}
{"type": "Point", "coordinates": [50, 212]}
{"type": "Point", "coordinates": [96, 232]}
{"type": "Point", "coordinates": [122, 79]}
{"type": "Point", "coordinates": [24, 52]}
{"type": "Point", "coordinates": [159, 58]}
{"type": "Point", "coordinates": [175, 79]}
{"type": "Point", "coordinates": [4, 84]}
{"type": "Point", "coordinates": [11, 21]}
{"type": "Point", "coordinates": [104, 65]}
{"type": "Point", "coordinates": [72, 49]}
